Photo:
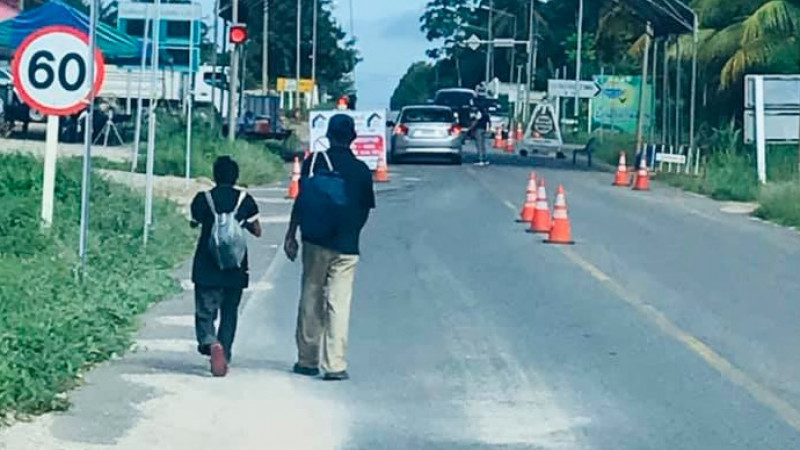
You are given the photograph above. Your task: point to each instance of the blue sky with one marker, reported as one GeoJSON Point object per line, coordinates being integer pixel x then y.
{"type": "Point", "coordinates": [389, 40]}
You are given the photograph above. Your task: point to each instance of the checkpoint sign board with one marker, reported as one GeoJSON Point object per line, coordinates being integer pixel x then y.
{"type": "Point", "coordinates": [51, 72]}
{"type": "Point", "coordinates": [370, 142]}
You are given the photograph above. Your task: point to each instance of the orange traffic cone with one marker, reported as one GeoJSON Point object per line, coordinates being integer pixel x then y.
{"type": "Point", "coordinates": [642, 177]}
{"type": "Point", "coordinates": [498, 138]}
{"type": "Point", "coordinates": [542, 221]}
{"type": "Point", "coordinates": [561, 232]}
{"type": "Point", "coordinates": [510, 143]}
{"type": "Point", "coordinates": [382, 172]}
{"type": "Point", "coordinates": [529, 209]}
{"type": "Point", "coordinates": [622, 178]}
{"type": "Point", "coordinates": [294, 184]}
{"type": "Point", "coordinates": [520, 133]}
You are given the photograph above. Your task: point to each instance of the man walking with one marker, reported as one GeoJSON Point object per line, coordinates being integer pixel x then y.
{"type": "Point", "coordinates": [330, 248]}
{"type": "Point", "coordinates": [220, 269]}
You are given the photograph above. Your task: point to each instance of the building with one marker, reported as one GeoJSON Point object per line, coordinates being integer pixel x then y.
{"type": "Point", "coordinates": [176, 19]}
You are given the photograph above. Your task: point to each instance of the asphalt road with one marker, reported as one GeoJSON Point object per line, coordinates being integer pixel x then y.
{"type": "Point", "coordinates": [669, 325]}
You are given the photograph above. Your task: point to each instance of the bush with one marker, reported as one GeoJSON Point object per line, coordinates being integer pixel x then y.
{"type": "Point", "coordinates": [257, 163]}
{"type": "Point", "coordinates": [53, 326]}
{"type": "Point", "coordinates": [780, 203]}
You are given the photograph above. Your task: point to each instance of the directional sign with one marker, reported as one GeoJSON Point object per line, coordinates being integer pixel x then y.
{"type": "Point", "coordinates": [51, 72]}
{"type": "Point", "coordinates": [670, 158]}
{"type": "Point", "coordinates": [503, 43]}
{"type": "Point", "coordinates": [566, 88]}
{"type": "Point", "coordinates": [473, 42]}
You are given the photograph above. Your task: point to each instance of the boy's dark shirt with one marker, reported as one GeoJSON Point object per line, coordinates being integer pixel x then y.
{"type": "Point", "coordinates": [205, 271]}
{"type": "Point", "coordinates": [361, 197]}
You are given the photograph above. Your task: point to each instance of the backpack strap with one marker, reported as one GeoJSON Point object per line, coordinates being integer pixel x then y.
{"type": "Point", "coordinates": [314, 162]}
{"type": "Point", "coordinates": [210, 202]}
{"type": "Point", "coordinates": [242, 195]}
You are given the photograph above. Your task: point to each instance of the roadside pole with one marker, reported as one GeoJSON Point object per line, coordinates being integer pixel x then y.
{"type": "Point", "coordinates": [87, 154]}
{"type": "Point", "coordinates": [190, 98]}
{"type": "Point", "coordinates": [297, 55]}
{"type": "Point", "coordinates": [137, 134]}
{"type": "Point", "coordinates": [642, 88]}
{"type": "Point", "coordinates": [151, 130]}
{"type": "Point", "coordinates": [531, 69]}
{"type": "Point", "coordinates": [50, 158]}
{"type": "Point", "coordinates": [265, 51]}
{"type": "Point", "coordinates": [234, 87]}
{"type": "Point", "coordinates": [578, 58]}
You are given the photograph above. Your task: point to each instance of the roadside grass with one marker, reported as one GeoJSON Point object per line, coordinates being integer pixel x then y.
{"type": "Point", "coordinates": [53, 326]}
{"type": "Point", "coordinates": [608, 145]}
{"type": "Point", "coordinates": [780, 203]}
{"type": "Point", "coordinates": [258, 164]}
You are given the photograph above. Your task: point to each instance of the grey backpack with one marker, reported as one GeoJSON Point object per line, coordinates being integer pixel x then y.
{"type": "Point", "coordinates": [227, 242]}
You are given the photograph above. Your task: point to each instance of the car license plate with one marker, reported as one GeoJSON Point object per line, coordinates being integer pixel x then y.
{"type": "Point", "coordinates": [424, 133]}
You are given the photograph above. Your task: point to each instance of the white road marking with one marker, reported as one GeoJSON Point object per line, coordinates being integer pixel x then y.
{"type": "Point", "coordinates": [276, 219]}
{"type": "Point", "coordinates": [258, 286]}
{"type": "Point", "coordinates": [273, 200]}
{"type": "Point", "coordinates": [164, 345]}
{"type": "Point", "coordinates": [178, 321]}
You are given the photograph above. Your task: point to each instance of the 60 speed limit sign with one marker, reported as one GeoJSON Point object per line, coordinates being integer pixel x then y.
{"type": "Point", "coordinates": [51, 72]}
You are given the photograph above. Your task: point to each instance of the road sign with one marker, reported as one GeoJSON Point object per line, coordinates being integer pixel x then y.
{"type": "Point", "coordinates": [566, 88]}
{"type": "Point", "coordinates": [50, 70]}
{"type": "Point", "coordinates": [543, 129]}
{"type": "Point", "coordinates": [670, 158]}
{"type": "Point", "coordinates": [503, 43]}
{"type": "Point", "coordinates": [290, 85]}
{"type": "Point", "coordinates": [370, 142]}
{"type": "Point", "coordinates": [473, 42]}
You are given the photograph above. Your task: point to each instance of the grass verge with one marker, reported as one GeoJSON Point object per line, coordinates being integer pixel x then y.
{"type": "Point", "coordinates": [54, 326]}
{"type": "Point", "coordinates": [780, 203]}
{"type": "Point", "coordinates": [258, 164]}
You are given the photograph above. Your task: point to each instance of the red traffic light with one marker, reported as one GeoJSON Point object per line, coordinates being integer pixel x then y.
{"type": "Point", "coordinates": [237, 34]}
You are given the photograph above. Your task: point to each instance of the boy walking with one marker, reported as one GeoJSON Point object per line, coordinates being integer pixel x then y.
{"type": "Point", "coordinates": [220, 269]}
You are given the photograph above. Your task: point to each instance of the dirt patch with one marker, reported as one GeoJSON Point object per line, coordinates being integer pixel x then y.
{"type": "Point", "coordinates": [36, 148]}
{"type": "Point", "coordinates": [177, 189]}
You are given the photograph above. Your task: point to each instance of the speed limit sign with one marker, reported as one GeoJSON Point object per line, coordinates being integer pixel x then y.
{"type": "Point", "coordinates": [51, 72]}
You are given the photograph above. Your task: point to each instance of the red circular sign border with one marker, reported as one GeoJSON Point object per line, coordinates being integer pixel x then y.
{"type": "Point", "coordinates": [98, 81]}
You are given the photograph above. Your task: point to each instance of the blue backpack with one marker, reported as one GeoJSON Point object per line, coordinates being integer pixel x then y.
{"type": "Point", "coordinates": [323, 199]}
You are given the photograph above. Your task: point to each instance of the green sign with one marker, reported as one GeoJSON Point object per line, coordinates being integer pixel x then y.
{"type": "Point", "coordinates": [617, 106]}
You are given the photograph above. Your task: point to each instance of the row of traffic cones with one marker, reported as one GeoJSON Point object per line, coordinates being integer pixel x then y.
{"type": "Point", "coordinates": [509, 145]}
{"type": "Point", "coordinates": [536, 212]}
{"type": "Point", "coordinates": [381, 174]}
{"type": "Point", "coordinates": [622, 178]}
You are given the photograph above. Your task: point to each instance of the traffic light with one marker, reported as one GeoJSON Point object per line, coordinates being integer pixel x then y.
{"type": "Point", "coordinates": [237, 34]}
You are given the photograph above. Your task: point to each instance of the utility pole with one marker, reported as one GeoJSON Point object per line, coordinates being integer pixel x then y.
{"type": "Point", "coordinates": [490, 45]}
{"type": "Point", "coordinates": [215, 48]}
{"type": "Point", "coordinates": [642, 90]}
{"type": "Point", "coordinates": [297, 57]}
{"type": "Point", "coordinates": [533, 42]}
{"type": "Point", "coordinates": [265, 51]}
{"type": "Point", "coordinates": [234, 87]}
{"type": "Point", "coordinates": [578, 58]}
{"type": "Point", "coordinates": [314, 52]}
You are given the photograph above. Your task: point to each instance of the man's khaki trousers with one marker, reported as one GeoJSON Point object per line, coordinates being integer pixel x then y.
{"type": "Point", "coordinates": [323, 319]}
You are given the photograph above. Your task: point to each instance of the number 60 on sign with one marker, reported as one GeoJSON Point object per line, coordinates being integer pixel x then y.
{"type": "Point", "coordinates": [51, 72]}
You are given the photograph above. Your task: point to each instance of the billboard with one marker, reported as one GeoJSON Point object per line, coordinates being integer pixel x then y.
{"type": "Point", "coordinates": [617, 105]}
{"type": "Point", "coordinates": [370, 143]}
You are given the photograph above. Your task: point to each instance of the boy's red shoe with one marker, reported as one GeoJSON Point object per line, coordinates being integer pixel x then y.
{"type": "Point", "coordinates": [219, 366]}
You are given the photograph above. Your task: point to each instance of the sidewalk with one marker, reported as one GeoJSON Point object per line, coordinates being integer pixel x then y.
{"type": "Point", "coordinates": [161, 394]}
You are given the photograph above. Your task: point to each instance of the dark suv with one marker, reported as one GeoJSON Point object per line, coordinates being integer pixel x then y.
{"type": "Point", "coordinates": [461, 101]}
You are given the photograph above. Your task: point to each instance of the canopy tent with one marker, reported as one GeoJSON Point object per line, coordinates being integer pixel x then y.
{"type": "Point", "coordinates": [114, 44]}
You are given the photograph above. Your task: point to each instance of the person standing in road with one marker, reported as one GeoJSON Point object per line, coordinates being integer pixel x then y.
{"type": "Point", "coordinates": [478, 131]}
{"type": "Point", "coordinates": [220, 269]}
{"type": "Point", "coordinates": [330, 251]}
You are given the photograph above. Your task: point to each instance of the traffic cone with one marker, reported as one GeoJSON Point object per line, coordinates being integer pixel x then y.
{"type": "Point", "coordinates": [382, 172]}
{"type": "Point", "coordinates": [294, 184]}
{"type": "Point", "coordinates": [622, 178]}
{"type": "Point", "coordinates": [542, 221]}
{"type": "Point", "coordinates": [529, 209]}
{"type": "Point", "coordinates": [560, 233]}
{"type": "Point", "coordinates": [498, 138]}
{"type": "Point", "coordinates": [642, 177]}
{"type": "Point", "coordinates": [510, 143]}
{"type": "Point", "coordinates": [520, 133]}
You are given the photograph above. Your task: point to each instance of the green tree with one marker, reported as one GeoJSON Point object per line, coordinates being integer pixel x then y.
{"type": "Point", "coordinates": [414, 87]}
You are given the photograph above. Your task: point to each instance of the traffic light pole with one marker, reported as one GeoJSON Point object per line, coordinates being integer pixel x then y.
{"type": "Point", "coordinates": [297, 57]}
{"type": "Point", "coordinates": [234, 85]}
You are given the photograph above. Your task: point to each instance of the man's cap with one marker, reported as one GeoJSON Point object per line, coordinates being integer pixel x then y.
{"type": "Point", "coordinates": [341, 127]}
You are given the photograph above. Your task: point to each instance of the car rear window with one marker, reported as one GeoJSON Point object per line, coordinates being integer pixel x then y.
{"type": "Point", "coordinates": [427, 115]}
{"type": "Point", "coordinates": [454, 99]}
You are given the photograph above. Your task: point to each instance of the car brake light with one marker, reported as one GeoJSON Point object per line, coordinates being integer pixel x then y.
{"type": "Point", "coordinates": [401, 130]}
{"type": "Point", "coordinates": [455, 130]}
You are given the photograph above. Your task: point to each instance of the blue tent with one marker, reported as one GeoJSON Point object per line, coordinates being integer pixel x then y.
{"type": "Point", "coordinates": [114, 44]}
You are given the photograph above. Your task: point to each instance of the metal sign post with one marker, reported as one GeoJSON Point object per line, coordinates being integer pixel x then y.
{"type": "Point", "coordinates": [190, 101]}
{"type": "Point", "coordinates": [87, 155]}
{"type": "Point", "coordinates": [137, 133]}
{"type": "Point", "coordinates": [151, 130]}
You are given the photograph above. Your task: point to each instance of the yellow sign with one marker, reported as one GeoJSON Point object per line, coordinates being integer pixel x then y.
{"type": "Point", "coordinates": [290, 85]}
